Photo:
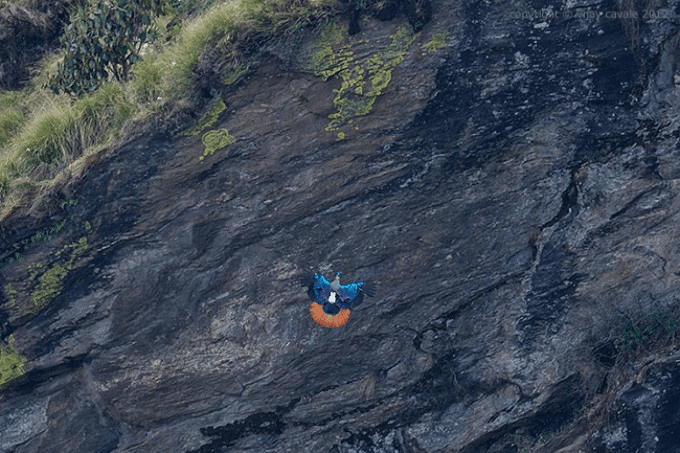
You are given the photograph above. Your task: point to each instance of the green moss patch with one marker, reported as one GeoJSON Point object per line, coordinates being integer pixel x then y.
{"type": "Point", "coordinates": [235, 74]}
{"type": "Point", "coordinates": [214, 140]}
{"type": "Point", "coordinates": [11, 363]}
{"type": "Point", "coordinates": [438, 41]}
{"type": "Point", "coordinates": [329, 54]}
{"type": "Point", "coordinates": [364, 79]}
{"type": "Point", "coordinates": [209, 118]}
{"type": "Point", "coordinates": [50, 283]}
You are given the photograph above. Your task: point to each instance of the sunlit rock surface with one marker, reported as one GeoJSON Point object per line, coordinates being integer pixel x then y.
{"type": "Point", "coordinates": [513, 196]}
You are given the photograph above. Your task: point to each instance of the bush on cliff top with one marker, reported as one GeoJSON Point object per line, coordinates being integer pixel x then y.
{"type": "Point", "coordinates": [45, 135]}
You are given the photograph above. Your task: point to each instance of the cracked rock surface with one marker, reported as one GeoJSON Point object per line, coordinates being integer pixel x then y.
{"type": "Point", "coordinates": [514, 196]}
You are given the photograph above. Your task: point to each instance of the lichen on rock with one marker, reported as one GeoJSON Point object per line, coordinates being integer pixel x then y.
{"type": "Point", "coordinates": [214, 140]}
{"type": "Point", "coordinates": [438, 41]}
{"type": "Point", "coordinates": [11, 363]}
{"type": "Point", "coordinates": [363, 79]}
{"type": "Point", "coordinates": [209, 118]}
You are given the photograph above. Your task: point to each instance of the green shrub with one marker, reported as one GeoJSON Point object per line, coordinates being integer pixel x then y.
{"type": "Point", "coordinates": [103, 41]}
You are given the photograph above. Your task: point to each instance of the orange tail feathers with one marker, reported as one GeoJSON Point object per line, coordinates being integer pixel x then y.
{"type": "Point", "coordinates": [326, 320]}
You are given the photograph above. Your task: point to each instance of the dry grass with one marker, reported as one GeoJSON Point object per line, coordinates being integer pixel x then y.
{"type": "Point", "coordinates": [46, 137]}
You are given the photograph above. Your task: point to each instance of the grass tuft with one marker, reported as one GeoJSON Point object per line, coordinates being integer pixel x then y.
{"type": "Point", "coordinates": [11, 119]}
{"type": "Point", "coordinates": [45, 137]}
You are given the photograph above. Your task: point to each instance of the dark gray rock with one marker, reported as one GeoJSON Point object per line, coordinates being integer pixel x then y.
{"type": "Point", "coordinates": [514, 197]}
{"type": "Point", "coordinates": [28, 31]}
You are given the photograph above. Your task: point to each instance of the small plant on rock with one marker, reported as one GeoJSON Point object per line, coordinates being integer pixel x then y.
{"type": "Point", "coordinates": [648, 328]}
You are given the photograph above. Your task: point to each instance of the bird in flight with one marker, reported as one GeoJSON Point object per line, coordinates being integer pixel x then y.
{"type": "Point", "coordinates": [331, 301]}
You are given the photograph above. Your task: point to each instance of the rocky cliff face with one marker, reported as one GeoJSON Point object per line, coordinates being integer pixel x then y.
{"type": "Point", "coordinates": [513, 195]}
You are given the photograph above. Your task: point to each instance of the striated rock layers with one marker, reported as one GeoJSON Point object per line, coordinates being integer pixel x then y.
{"type": "Point", "coordinates": [514, 195]}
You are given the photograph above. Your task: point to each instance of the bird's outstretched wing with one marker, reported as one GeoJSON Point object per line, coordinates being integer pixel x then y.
{"type": "Point", "coordinates": [352, 295]}
{"type": "Point", "coordinates": [368, 288]}
{"type": "Point", "coordinates": [318, 288]}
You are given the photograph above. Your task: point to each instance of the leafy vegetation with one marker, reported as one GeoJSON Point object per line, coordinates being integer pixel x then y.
{"type": "Point", "coordinates": [10, 293]}
{"type": "Point", "coordinates": [11, 118]}
{"type": "Point", "coordinates": [647, 329]}
{"type": "Point", "coordinates": [104, 40]}
{"type": "Point", "coordinates": [438, 41]}
{"type": "Point", "coordinates": [46, 136]}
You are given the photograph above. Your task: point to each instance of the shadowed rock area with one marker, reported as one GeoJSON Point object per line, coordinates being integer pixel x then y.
{"type": "Point", "coordinates": [27, 31]}
{"type": "Point", "coordinates": [513, 195]}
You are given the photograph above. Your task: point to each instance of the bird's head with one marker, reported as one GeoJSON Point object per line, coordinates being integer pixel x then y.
{"type": "Point", "coordinates": [335, 284]}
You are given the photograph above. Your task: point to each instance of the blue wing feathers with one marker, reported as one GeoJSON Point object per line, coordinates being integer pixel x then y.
{"type": "Point", "coordinates": [349, 296]}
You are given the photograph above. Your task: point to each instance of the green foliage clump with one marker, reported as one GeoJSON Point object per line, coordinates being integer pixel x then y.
{"type": "Point", "coordinates": [11, 363]}
{"type": "Point", "coordinates": [209, 118]}
{"type": "Point", "coordinates": [647, 329]}
{"type": "Point", "coordinates": [104, 40]}
{"type": "Point", "coordinates": [214, 140]}
{"type": "Point", "coordinates": [50, 283]}
{"type": "Point", "coordinates": [363, 80]}
{"type": "Point", "coordinates": [175, 67]}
